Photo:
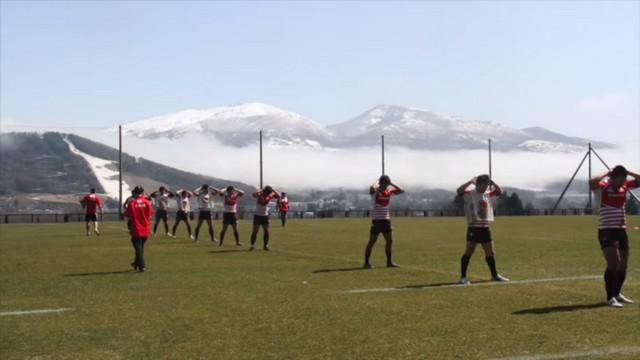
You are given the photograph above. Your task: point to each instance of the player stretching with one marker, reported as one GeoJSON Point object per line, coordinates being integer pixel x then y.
{"type": "Point", "coordinates": [261, 217]}
{"type": "Point", "coordinates": [612, 231]}
{"type": "Point", "coordinates": [161, 200]}
{"type": "Point", "coordinates": [183, 200]}
{"type": "Point", "coordinates": [231, 196]}
{"type": "Point", "coordinates": [479, 213]}
{"type": "Point", "coordinates": [283, 207]}
{"type": "Point", "coordinates": [205, 204]}
{"type": "Point", "coordinates": [381, 192]}
{"type": "Point", "coordinates": [90, 203]}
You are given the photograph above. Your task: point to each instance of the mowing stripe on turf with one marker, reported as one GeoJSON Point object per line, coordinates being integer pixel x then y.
{"type": "Point", "coordinates": [30, 312]}
{"type": "Point", "coordinates": [578, 354]}
{"type": "Point", "coordinates": [444, 286]}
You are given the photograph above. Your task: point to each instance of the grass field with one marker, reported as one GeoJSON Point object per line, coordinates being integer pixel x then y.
{"type": "Point", "coordinates": [202, 301]}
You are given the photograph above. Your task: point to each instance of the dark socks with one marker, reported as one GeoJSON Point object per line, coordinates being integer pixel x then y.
{"type": "Point", "coordinates": [610, 283]}
{"type": "Point", "coordinates": [620, 277]}
{"type": "Point", "coordinates": [491, 261]}
{"type": "Point", "coordinates": [464, 264]}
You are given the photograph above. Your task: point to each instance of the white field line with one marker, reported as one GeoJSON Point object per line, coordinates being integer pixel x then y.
{"type": "Point", "coordinates": [445, 286]}
{"type": "Point", "coordinates": [30, 312]}
{"type": "Point", "coordinates": [578, 354]}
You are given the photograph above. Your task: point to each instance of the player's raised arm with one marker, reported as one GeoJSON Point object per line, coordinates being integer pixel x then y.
{"type": "Point", "coordinates": [636, 176]}
{"type": "Point", "coordinates": [497, 190]}
{"type": "Point", "coordinates": [239, 192]}
{"type": "Point", "coordinates": [463, 187]}
{"type": "Point", "coordinates": [256, 193]}
{"type": "Point", "coordinates": [399, 190]}
{"type": "Point", "coordinates": [594, 182]}
{"type": "Point", "coordinates": [374, 187]}
{"type": "Point", "coordinates": [276, 194]}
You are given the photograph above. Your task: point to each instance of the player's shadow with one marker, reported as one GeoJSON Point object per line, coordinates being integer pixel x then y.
{"type": "Point", "coordinates": [338, 270]}
{"type": "Point", "coordinates": [442, 285]}
{"type": "Point", "coordinates": [103, 273]}
{"type": "Point", "coordinates": [559, 308]}
{"type": "Point", "coordinates": [227, 251]}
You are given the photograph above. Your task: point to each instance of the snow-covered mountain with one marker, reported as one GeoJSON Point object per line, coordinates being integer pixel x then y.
{"type": "Point", "coordinates": [420, 129]}
{"type": "Point", "coordinates": [413, 128]}
{"type": "Point", "coordinates": [236, 125]}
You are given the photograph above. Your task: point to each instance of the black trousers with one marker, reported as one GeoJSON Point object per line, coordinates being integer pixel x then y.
{"type": "Point", "coordinates": [138, 247]}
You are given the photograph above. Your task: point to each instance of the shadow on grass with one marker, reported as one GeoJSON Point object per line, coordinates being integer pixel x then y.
{"type": "Point", "coordinates": [338, 270]}
{"type": "Point", "coordinates": [444, 284]}
{"type": "Point", "coordinates": [559, 308]}
{"type": "Point", "coordinates": [228, 251]}
{"type": "Point", "coordinates": [103, 273]}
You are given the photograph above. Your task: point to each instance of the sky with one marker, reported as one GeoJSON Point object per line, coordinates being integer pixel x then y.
{"type": "Point", "coordinates": [572, 67]}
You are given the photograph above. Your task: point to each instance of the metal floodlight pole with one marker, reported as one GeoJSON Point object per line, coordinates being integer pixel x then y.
{"type": "Point", "coordinates": [490, 165]}
{"type": "Point", "coordinates": [590, 206]}
{"type": "Point", "coordinates": [383, 155]}
{"type": "Point", "coordinates": [570, 181]}
{"type": "Point", "coordinates": [120, 171]}
{"type": "Point", "coordinates": [261, 185]}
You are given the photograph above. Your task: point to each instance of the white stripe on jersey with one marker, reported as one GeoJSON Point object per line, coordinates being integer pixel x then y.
{"type": "Point", "coordinates": [612, 217]}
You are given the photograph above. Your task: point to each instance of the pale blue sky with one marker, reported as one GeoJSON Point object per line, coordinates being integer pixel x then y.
{"type": "Point", "coordinates": [572, 67]}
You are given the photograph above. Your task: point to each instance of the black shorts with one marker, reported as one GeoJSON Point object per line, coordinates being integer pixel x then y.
{"type": "Point", "coordinates": [90, 217]}
{"type": "Point", "coordinates": [261, 220]}
{"type": "Point", "coordinates": [380, 226]}
{"type": "Point", "coordinates": [204, 215]}
{"type": "Point", "coordinates": [229, 219]}
{"type": "Point", "coordinates": [161, 214]}
{"type": "Point", "coordinates": [182, 215]}
{"type": "Point", "coordinates": [616, 238]}
{"type": "Point", "coordinates": [479, 235]}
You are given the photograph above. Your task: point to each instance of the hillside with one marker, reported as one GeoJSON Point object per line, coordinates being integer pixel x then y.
{"type": "Point", "coordinates": [38, 166]}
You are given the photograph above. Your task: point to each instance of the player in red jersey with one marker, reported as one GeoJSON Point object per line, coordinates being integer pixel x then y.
{"type": "Point", "coordinates": [139, 211]}
{"type": "Point", "coordinates": [230, 218]}
{"type": "Point", "coordinates": [161, 201]}
{"type": "Point", "coordinates": [91, 203]}
{"type": "Point", "coordinates": [283, 208]}
{"type": "Point", "coordinates": [183, 201]}
{"type": "Point", "coordinates": [612, 231]}
{"type": "Point", "coordinates": [381, 192]}
{"type": "Point", "coordinates": [479, 214]}
{"type": "Point", "coordinates": [261, 217]}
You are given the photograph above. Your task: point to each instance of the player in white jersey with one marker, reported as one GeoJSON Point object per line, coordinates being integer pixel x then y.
{"type": "Point", "coordinates": [612, 231]}
{"type": "Point", "coordinates": [161, 199]}
{"type": "Point", "coordinates": [183, 202]}
{"type": "Point", "coordinates": [231, 196]}
{"type": "Point", "coordinates": [205, 207]}
{"type": "Point", "coordinates": [479, 214]}
{"type": "Point", "coordinates": [381, 192]}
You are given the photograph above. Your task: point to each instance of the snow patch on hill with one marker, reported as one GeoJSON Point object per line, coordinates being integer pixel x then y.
{"type": "Point", "coordinates": [108, 178]}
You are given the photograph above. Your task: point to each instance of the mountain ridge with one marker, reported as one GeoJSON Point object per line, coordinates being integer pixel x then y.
{"type": "Point", "coordinates": [413, 128]}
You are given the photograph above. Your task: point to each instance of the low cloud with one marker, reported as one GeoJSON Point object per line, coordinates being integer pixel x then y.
{"type": "Point", "coordinates": [357, 168]}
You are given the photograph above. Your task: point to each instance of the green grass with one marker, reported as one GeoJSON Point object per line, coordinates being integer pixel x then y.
{"type": "Point", "coordinates": [200, 301]}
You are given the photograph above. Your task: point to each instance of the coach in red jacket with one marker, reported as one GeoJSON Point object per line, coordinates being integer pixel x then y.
{"type": "Point", "coordinates": [139, 211]}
